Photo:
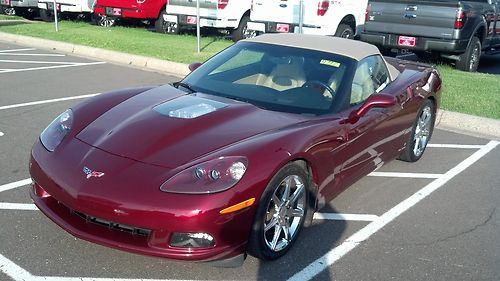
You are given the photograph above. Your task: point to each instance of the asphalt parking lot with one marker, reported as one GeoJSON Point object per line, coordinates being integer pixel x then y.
{"type": "Point", "coordinates": [436, 219]}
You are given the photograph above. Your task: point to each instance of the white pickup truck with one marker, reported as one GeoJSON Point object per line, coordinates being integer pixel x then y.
{"type": "Point", "coordinates": [342, 18]}
{"type": "Point", "coordinates": [231, 15]}
{"type": "Point", "coordinates": [67, 7]}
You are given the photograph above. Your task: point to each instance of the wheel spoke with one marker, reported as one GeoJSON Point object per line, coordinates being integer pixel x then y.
{"type": "Point", "coordinates": [298, 212]}
{"type": "Point", "coordinates": [271, 224]}
{"type": "Point", "coordinates": [276, 200]}
{"type": "Point", "coordinates": [277, 234]}
{"type": "Point", "coordinates": [286, 192]}
{"type": "Point", "coordinates": [286, 231]}
{"type": "Point", "coordinates": [296, 194]}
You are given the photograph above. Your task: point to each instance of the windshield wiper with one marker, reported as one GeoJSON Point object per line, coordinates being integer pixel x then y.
{"type": "Point", "coordinates": [185, 86]}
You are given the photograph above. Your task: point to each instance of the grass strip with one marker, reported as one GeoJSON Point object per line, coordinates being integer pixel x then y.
{"type": "Point", "coordinates": [471, 93]}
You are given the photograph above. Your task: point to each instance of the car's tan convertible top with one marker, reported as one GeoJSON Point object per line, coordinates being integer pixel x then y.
{"type": "Point", "coordinates": [346, 47]}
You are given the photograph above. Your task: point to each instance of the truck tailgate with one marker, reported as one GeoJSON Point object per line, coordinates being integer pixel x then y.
{"type": "Point", "coordinates": [208, 8]}
{"type": "Point", "coordinates": [427, 18]}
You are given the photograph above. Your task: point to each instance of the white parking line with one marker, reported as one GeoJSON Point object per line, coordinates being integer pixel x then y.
{"type": "Point", "coordinates": [2, 134]}
{"type": "Point", "coordinates": [51, 67]}
{"type": "Point", "coordinates": [357, 238]}
{"type": "Point", "coordinates": [46, 101]}
{"type": "Point", "coordinates": [344, 217]}
{"type": "Point", "coordinates": [405, 175]}
{"type": "Point", "coordinates": [18, 273]}
{"type": "Point", "coordinates": [46, 62]}
{"type": "Point", "coordinates": [13, 185]}
{"type": "Point", "coordinates": [31, 55]}
{"type": "Point", "coordinates": [460, 146]}
{"type": "Point", "coordinates": [17, 50]}
{"type": "Point", "coordinates": [18, 206]}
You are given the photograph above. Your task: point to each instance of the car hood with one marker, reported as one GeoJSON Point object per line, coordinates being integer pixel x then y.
{"type": "Point", "coordinates": [167, 127]}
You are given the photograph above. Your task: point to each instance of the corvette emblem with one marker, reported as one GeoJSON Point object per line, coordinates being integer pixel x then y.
{"type": "Point", "coordinates": [91, 173]}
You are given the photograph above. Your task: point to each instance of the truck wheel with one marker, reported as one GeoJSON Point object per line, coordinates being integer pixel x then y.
{"type": "Point", "coordinates": [469, 61]}
{"type": "Point", "coordinates": [172, 27]}
{"type": "Point", "coordinates": [344, 31]}
{"type": "Point", "coordinates": [46, 15]}
{"type": "Point", "coordinates": [241, 32]}
{"type": "Point", "coordinates": [160, 23]}
{"type": "Point", "coordinates": [9, 11]}
{"type": "Point", "coordinates": [104, 21]}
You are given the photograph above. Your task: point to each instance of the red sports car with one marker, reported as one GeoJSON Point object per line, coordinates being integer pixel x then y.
{"type": "Point", "coordinates": [237, 156]}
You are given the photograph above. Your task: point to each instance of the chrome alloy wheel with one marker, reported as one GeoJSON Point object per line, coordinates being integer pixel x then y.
{"type": "Point", "coordinates": [285, 213]}
{"type": "Point", "coordinates": [106, 21]}
{"type": "Point", "coordinates": [422, 131]}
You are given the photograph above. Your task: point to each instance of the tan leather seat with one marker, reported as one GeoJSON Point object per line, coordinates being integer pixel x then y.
{"type": "Point", "coordinates": [362, 84]}
{"type": "Point", "coordinates": [286, 74]}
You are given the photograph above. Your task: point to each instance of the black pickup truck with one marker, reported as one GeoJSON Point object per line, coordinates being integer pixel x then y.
{"type": "Point", "coordinates": [457, 30]}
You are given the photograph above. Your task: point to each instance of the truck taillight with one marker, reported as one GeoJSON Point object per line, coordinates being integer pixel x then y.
{"type": "Point", "coordinates": [323, 7]}
{"type": "Point", "coordinates": [460, 19]}
{"type": "Point", "coordinates": [367, 12]}
{"type": "Point", "coordinates": [221, 4]}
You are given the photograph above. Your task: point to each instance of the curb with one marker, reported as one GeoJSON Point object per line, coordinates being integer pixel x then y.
{"type": "Point", "coordinates": [445, 120]}
{"type": "Point", "coordinates": [153, 64]}
{"type": "Point", "coordinates": [468, 124]}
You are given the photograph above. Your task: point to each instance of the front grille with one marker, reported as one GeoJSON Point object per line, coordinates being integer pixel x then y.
{"type": "Point", "coordinates": [112, 225]}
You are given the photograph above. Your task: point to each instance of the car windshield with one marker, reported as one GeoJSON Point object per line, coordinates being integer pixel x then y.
{"type": "Point", "coordinates": [273, 77]}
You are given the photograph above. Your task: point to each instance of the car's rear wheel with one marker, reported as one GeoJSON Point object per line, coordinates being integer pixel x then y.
{"type": "Point", "coordinates": [47, 15]}
{"type": "Point", "coordinates": [344, 31]}
{"type": "Point", "coordinates": [420, 134]}
{"type": "Point", "coordinates": [160, 23]}
{"type": "Point", "coordinates": [242, 32]}
{"type": "Point", "coordinates": [104, 21]}
{"type": "Point", "coordinates": [469, 61]}
{"type": "Point", "coordinates": [281, 213]}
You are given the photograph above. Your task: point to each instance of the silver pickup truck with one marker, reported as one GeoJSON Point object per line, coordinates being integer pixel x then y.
{"type": "Point", "coordinates": [457, 30]}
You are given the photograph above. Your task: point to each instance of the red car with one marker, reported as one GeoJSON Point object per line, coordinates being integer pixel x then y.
{"type": "Point", "coordinates": [106, 12]}
{"type": "Point", "coordinates": [237, 156]}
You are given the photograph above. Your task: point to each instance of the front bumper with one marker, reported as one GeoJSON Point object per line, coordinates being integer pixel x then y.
{"type": "Point", "coordinates": [390, 41]}
{"type": "Point", "coordinates": [132, 217]}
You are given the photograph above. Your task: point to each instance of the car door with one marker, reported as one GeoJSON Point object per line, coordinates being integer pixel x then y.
{"type": "Point", "coordinates": [375, 137]}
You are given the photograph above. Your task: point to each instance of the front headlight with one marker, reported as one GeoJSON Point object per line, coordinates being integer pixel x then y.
{"type": "Point", "coordinates": [208, 177]}
{"type": "Point", "coordinates": [52, 136]}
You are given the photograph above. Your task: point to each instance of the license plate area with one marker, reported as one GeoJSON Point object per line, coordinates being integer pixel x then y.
{"type": "Point", "coordinates": [407, 41]}
{"type": "Point", "coordinates": [113, 11]}
{"type": "Point", "coordinates": [191, 20]}
{"type": "Point", "coordinates": [282, 27]}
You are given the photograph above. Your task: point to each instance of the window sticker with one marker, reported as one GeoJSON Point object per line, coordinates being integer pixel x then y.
{"type": "Point", "coordinates": [330, 63]}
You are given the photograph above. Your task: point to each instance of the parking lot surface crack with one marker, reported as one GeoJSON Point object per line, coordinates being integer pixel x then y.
{"type": "Point", "coordinates": [461, 233]}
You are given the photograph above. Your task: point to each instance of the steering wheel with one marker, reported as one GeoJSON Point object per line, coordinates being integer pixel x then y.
{"type": "Point", "coordinates": [313, 84]}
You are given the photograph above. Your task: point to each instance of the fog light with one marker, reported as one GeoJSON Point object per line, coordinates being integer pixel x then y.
{"type": "Point", "coordinates": [192, 240]}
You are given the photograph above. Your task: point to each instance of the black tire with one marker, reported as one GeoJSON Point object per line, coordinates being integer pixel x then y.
{"type": "Point", "coordinates": [172, 27]}
{"type": "Point", "coordinates": [160, 23]}
{"type": "Point", "coordinates": [421, 133]}
{"type": "Point", "coordinates": [241, 32]}
{"type": "Point", "coordinates": [46, 15]}
{"type": "Point", "coordinates": [29, 15]}
{"type": "Point", "coordinates": [469, 61]}
{"type": "Point", "coordinates": [344, 31]}
{"type": "Point", "coordinates": [278, 217]}
{"type": "Point", "coordinates": [103, 20]}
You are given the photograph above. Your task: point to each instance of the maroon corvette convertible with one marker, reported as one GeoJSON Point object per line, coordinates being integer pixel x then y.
{"type": "Point", "coordinates": [237, 156]}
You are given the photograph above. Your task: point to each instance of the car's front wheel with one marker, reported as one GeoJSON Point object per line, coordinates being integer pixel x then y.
{"type": "Point", "coordinates": [420, 134]}
{"type": "Point", "coordinates": [281, 213]}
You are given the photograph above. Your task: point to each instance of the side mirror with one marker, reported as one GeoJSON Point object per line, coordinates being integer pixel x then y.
{"type": "Point", "coordinates": [374, 101]}
{"type": "Point", "coordinates": [193, 66]}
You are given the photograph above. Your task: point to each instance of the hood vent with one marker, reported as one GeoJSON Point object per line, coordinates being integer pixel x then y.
{"type": "Point", "coordinates": [188, 107]}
